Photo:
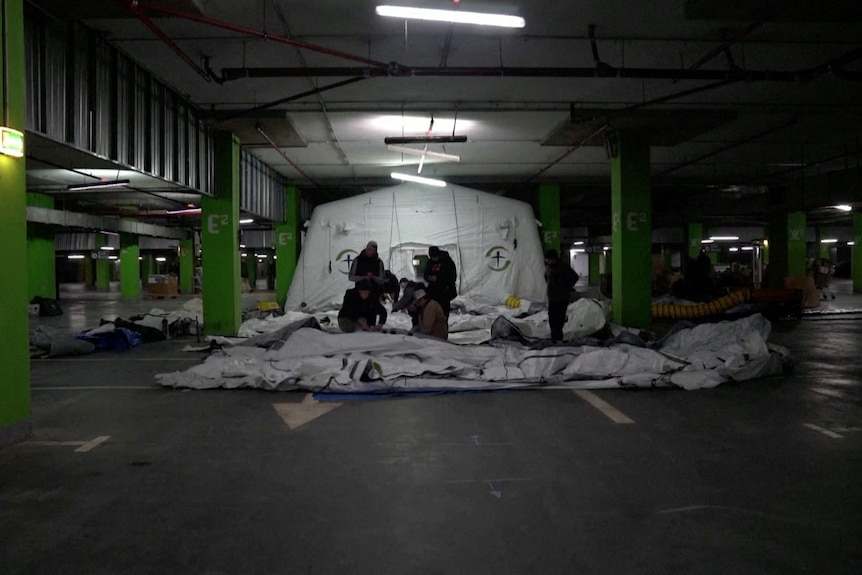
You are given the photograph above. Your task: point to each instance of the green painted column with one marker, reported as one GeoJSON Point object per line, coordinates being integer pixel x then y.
{"type": "Point", "coordinates": [287, 246]}
{"type": "Point", "coordinates": [856, 253]}
{"type": "Point", "coordinates": [220, 241]}
{"type": "Point", "coordinates": [103, 264]}
{"type": "Point", "coordinates": [187, 266]}
{"type": "Point", "coordinates": [251, 270]}
{"type": "Point", "coordinates": [130, 267]}
{"type": "Point", "coordinates": [14, 339]}
{"type": "Point", "coordinates": [631, 231]}
{"type": "Point", "coordinates": [595, 261]}
{"type": "Point", "coordinates": [549, 215]}
{"type": "Point", "coordinates": [695, 237]}
{"type": "Point", "coordinates": [41, 253]}
{"type": "Point", "coordinates": [787, 248]}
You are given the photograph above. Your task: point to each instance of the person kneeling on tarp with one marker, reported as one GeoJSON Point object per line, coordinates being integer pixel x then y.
{"type": "Point", "coordinates": [360, 311]}
{"type": "Point", "coordinates": [432, 319]}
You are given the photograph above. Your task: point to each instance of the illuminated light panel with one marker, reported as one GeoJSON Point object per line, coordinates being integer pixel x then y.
{"type": "Point", "coordinates": [418, 179]}
{"type": "Point", "coordinates": [724, 238]}
{"type": "Point", "coordinates": [11, 142]}
{"type": "Point", "coordinates": [829, 241]}
{"type": "Point", "coordinates": [453, 16]}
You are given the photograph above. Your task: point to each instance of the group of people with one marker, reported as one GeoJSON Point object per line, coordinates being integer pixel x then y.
{"type": "Point", "coordinates": [427, 303]}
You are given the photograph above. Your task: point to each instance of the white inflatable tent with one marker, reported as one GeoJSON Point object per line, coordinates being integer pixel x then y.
{"type": "Point", "coordinates": [493, 240]}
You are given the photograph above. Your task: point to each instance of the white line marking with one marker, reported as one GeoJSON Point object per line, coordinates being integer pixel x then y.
{"type": "Point", "coordinates": [52, 443]}
{"type": "Point", "coordinates": [93, 444]}
{"type": "Point", "coordinates": [609, 410]}
{"type": "Point", "coordinates": [823, 430]}
{"type": "Point", "coordinates": [89, 387]}
{"type": "Point", "coordinates": [124, 359]}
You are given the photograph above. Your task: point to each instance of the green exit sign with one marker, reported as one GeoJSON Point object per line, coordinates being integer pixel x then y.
{"type": "Point", "coordinates": [11, 142]}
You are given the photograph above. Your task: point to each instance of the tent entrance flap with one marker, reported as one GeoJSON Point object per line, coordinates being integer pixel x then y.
{"type": "Point", "coordinates": [408, 259]}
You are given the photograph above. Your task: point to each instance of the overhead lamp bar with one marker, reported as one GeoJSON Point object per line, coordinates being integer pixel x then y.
{"type": "Point", "coordinates": [724, 238]}
{"type": "Point", "coordinates": [97, 185]}
{"type": "Point", "coordinates": [453, 16]}
{"type": "Point", "coordinates": [430, 154]}
{"type": "Point", "coordinates": [425, 140]}
{"type": "Point", "coordinates": [419, 179]}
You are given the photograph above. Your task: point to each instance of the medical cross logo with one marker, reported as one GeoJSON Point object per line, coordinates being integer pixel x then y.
{"type": "Point", "coordinates": [345, 260]}
{"type": "Point", "coordinates": [498, 258]}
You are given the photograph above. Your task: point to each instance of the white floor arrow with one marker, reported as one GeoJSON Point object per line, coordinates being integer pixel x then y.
{"type": "Point", "coordinates": [298, 414]}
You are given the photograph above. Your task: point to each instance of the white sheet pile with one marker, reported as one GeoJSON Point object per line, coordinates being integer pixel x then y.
{"type": "Point", "coordinates": [323, 361]}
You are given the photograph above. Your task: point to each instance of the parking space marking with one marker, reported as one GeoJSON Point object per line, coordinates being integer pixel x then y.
{"type": "Point", "coordinates": [83, 446]}
{"type": "Point", "coordinates": [606, 408]}
{"type": "Point", "coordinates": [823, 430]}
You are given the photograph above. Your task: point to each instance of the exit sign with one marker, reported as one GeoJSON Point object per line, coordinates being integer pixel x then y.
{"type": "Point", "coordinates": [11, 142]}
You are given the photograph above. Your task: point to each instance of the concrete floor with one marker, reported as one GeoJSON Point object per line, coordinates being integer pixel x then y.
{"type": "Point", "coordinates": [759, 478]}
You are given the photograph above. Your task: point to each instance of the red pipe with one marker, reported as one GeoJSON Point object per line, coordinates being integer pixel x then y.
{"type": "Point", "coordinates": [256, 33]}
{"type": "Point", "coordinates": [170, 43]}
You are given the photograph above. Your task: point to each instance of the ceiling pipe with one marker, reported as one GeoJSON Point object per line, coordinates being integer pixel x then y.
{"type": "Point", "coordinates": [725, 46]}
{"type": "Point", "coordinates": [283, 155]}
{"type": "Point", "coordinates": [255, 33]}
{"type": "Point", "coordinates": [168, 42]}
{"type": "Point", "coordinates": [254, 110]}
{"type": "Point", "coordinates": [565, 154]}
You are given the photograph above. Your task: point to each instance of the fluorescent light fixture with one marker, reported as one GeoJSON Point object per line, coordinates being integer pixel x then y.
{"type": "Point", "coordinates": [430, 154]}
{"type": "Point", "coordinates": [184, 212]}
{"type": "Point", "coordinates": [851, 243]}
{"type": "Point", "coordinates": [75, 257]}
{"type": "Point", "coordinates": [709, 241]}
{"type": "Point", "coordinates": [724, 238]}
{"type": "Point", "coordinates": [424, 139]}
{"type": "Point", "coordinates": [112, 257]}
{"type": "Point", "coordinates": [579, 243]}
{"type": "Point", "coordinates": [606, 248]}
{"type": "Point", "coordinates": [140, 259]}
{"type": "Point", "coordinates": [109, 233]}
{"type": "Point", "coordinates": [98, 185]}
{"type": "Point", "coordinates": [844, 207]}
{"type": "Point", "coordinates": [829, 241]}
{"type": "Point", "coordinates": [733, 249]}
{"type": "Point", "coordinates": [453, 16]}
{"type": "Point", "coordinates": [247, 221]}
{"type": "Point", "coordinates": [242, 245]}
{"type": "Point", "coordinates": [11, 142]}
{"type": "Point", "coordinates": [107, 248]}
{"type": "Point", "coordinates": [579, 250]}
{"type": "Point", "coordinates": [161, 259]}
{"type": "Point", "coordinates": [243, 254]}
{"type": "Point", "coordinates": [419, 179]}
{"type": "Point", "coordinates": [748, 248]}
{"type": "Point", "coordinates": [260, 256]}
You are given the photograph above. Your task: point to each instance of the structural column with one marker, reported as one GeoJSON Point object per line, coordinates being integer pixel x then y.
{"type": "Point", "coordinates": [287, 245]}
{"type": "Point", "coordinates": [549, 215]}
{"type": "Point", "coordinates": [220, 241]}
{"type": "Point", "coordinates": [14, 339]}
{"type": "Point", "coordinates": [787, 248]}
{"type": "Point", "coordinates": [251, 270]}
{"type": "Point", "coordinates": [102, 263]}
{"type": "Point", "coordinates": [187, 266]}
{"type": "Point", "coordinates": [130, 267]}
{"type": "Point", "coordinates": [856, 253]}
{"type": "Point", "coordinates": [41, 253]}
{"type": "Point", "coordinates": [631, 230]}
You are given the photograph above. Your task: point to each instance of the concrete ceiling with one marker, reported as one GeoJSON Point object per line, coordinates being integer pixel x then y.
{"type": "Point", "coordinates": [751, 107]}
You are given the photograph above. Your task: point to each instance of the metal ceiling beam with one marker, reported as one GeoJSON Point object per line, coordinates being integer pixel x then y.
{"type": "Point", "coordinates": [89, 222]}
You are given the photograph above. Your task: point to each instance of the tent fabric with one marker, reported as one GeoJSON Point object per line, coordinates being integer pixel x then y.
{"type": "Point", "coordinates": [493, 240]}
{"type": "Point", "coordinates": [323, 362]}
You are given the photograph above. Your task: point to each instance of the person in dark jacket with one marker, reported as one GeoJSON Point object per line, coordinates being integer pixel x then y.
{"type": "Point", "coordinates": [440, 275]}
{"type": "Point", "coordinates": [368, 265]}
{"type": "Point", "coordinates": [561, 280]}
{"type": "Point", "coordinates": [407, 301]}
{"type": "Point", "coordinates": [360, 310]}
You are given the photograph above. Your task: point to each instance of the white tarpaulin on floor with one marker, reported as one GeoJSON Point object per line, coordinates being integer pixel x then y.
{"type": "Point", "coordinates": [320, 361]}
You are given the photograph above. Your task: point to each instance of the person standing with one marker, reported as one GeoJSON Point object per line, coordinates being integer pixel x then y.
{"type": "Point", "coordinates": [440, 275]}
{"type": "Point", "coordinates": [561, 279]}
{"type": "Point", "coordinates": [368, 265]}
{"type": "Point", "coordinates": [432, 320]}
{"type": "Point", "coordinates": [360, 310]}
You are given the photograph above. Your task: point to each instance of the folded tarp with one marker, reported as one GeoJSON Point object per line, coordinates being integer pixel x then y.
{"type": "Point", "coordinates": [698, 357]}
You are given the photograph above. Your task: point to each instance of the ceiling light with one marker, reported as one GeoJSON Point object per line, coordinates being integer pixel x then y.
{"type": "Point", "coordinates": [75, 257]}
{"type": "Point", "coordinates": [98, 185]}
{"type": "Point", "coordinates": [733, 249]}
{"type": "Point", "coordinates": [425, 140]}
{"type": "Point", "coordinates": [108, 248]}
{"type": "Point", "coordinates": [747, 248]}
{"type": "Point", "coordinates": [430, 154]}
{"type": "Point", "coordinates": [829, 241]}
{"type": "Point", "coordinates": [724, 238]}
{"type": "Point", "coordinates": [844, 208]}
{"type": "Point", "coordinates": [851, 243]}
{"type": "Point", "coordinates": [161, 259]}
{"type": "Point", "coordinates": [247, 221]}
{"type": "Point", "coordinates": [709, 241]}
{"type": "Point", "coordinates": [419, 179]}
{"type": "Point", "coordinates": [454, 16]}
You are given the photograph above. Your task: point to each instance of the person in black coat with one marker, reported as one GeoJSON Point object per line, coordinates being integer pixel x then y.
{"type": "Point", "coordinates": [360, 310]}
{"type": "Point", "coordinates": [368, 265]}
{"type": "Point", "coordinates": [440, 275]}
{"type": "Point", "coordinates": [407, 301]}
{"type": "Point", "coordinates": [561, 279]}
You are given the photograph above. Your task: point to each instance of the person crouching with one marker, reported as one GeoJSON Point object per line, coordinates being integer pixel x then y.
{"type": "Point", "coordinates": [360, 311]}
{"type": "Point", "coordinates": [432, 319]}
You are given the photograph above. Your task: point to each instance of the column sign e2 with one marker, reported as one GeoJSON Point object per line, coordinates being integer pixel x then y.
{"type": "Point", "coordinates": [215, 221]}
